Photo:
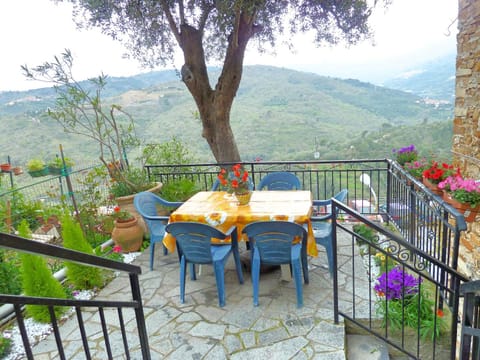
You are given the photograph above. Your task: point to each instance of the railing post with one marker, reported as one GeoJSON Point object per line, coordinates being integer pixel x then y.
{"type": "Point", "coordinates": [335, 274]}
{"type": "Point", "coordinates": [142, 329]}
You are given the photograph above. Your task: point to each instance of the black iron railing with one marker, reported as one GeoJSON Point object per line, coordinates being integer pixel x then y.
{"type": "Point", "coordinates": [16, 243]}
{"type": "Point", "coordinates": [470, 335]}
{"type": "Point", "coordinates": [426, 244]}
{"type": "Point", "coordinates": [388, 313]}
{"type": "Point", "coordinates": [375, 188]}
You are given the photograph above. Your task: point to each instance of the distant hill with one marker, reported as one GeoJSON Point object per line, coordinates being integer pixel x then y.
{"type": "Point", "coordinates": [432, 80]}
{"type": "Point", "coordinates": [277, 115]}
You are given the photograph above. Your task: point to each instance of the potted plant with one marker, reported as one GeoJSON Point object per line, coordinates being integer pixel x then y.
{"type": "Point", "coordinates": [406, 154]}
{"type": "Point", "coordinates": [127, 232]}
{"type": "Point", "coordinates": [17, 170]}
{"type": "Point", "coordinates": [417, 167]}
{"type": "Point", "coordinates": [237, 182]}
{"type": "Point", "coordinates": [462, 194]}
{"type": "Point", "coordinates": [37, 167]}
{"type": "Point", "coordinates": [6, 167]}
{"type": "Point", "coordinates": [398, 302]}
{"type": "Point", "coordinates": [435, 174]}
{"type": "Point", "coordinates": [55, 165]}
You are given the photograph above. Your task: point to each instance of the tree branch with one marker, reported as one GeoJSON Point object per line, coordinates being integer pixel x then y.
{"type": "Point", "coordinates": [171, 21]}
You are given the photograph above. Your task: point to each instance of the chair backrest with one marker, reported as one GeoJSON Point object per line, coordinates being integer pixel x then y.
{"type": "Point", "coordinates": [146, 203]}
{"type": "Point", "coordinates": [273, 239]}
{"type": "Point", "coordinates": [340, 196]}
{"type": "Point", "coordinates": [280, 180]}
{"type": "Point", "coordinates": [194, 240]}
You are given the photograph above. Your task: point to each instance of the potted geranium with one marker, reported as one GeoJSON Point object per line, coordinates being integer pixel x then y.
{"type": "Point", "coordinates": [463, 194]}
{"type": "Point", "coordinates": [127, 233]}
{"type": "Point", "coordinates": [406, 154]}
{"type": "Point", "coordinates": [236, 181]}
{"type": "Point", "coordinates": [417, 167]}
{"type": "Point", "coordinates": [437, 173]}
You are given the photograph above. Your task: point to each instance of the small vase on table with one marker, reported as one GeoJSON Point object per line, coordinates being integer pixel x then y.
{"type": "Point", "coordinates": [243, 198]}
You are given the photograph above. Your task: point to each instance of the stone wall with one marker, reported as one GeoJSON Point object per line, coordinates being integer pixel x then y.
{"type": "Point", "coordinates": [466, 128]}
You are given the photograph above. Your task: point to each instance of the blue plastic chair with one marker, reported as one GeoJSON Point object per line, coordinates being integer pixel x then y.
{"type": "Point", "coordinates": [322, 227]}
{"type": "Point", "coordinates": [272, 242]}
{"type": "Point", "coordinates": [146, 204]}
{"type": "Point", "coordinates": [195, 247]}
{"type": "Point", "coordinates": [281, 180]}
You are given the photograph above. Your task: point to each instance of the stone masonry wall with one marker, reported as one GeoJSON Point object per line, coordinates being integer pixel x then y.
{"type": "Point", "coordinates": [466, 127]}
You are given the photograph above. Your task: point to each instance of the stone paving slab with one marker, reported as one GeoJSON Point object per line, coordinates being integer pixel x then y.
{"type": "Point", "coordinates": [199, 329]}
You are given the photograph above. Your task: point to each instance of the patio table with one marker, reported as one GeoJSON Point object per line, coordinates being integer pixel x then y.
{"type": "Point", "coordinates": [221, 210]}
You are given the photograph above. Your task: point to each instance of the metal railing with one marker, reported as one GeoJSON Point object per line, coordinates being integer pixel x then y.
{"type": "Point", "coordinates": [421, 217]}
{"type": "Point", "coordinates": [470, 336]}
{"type": "Point", "coordinates": [16, 243]}
{"type": "Point", "coordinates": [392, 311]}
{"type": "Point", "coordinates": [427, 244]}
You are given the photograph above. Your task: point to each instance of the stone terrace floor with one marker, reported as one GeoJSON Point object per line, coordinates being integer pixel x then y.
{"type": "Point", "coordinates": [199, 329]}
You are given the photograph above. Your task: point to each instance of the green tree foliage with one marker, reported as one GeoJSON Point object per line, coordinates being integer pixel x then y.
{"type": "Point", "coordinates": [39, 281]}
{"type": "Point", "coordinates": [81, 276]}
{"type": "Point", "coordinates": [214, 30]}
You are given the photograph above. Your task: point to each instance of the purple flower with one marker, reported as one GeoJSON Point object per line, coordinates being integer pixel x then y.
{"type": "Point", "coordinates": [406, 149]}
{"type": "Point", "coordinates": [395, 284]}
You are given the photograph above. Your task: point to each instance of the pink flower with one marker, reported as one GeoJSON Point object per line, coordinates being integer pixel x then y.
{"type": "Point", "coordinates": [117, 249]}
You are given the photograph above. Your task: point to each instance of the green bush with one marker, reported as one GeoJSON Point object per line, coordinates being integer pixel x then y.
{"type": "Point", "coordinates": [5, 345]}
{"type": "Point", "coordinates": [81, 276]}
{"type": "Point", "coordinates": [19, 209]}
{"type": "Point", "coordinates": [10, 276]}
{"type": "Point", "coordinates": [39, 281]}
{"type": "Point", "coordinates": [366, 235]}
{"type": "Point", "coordinates": [178, 190]}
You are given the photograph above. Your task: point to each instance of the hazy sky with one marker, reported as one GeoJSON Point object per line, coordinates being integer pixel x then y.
{"type": "Point", "coordinates": [410, 31]}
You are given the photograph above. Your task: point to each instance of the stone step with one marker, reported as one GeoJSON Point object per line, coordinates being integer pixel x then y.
{"type": "Point", "coordinates": [362, 347]}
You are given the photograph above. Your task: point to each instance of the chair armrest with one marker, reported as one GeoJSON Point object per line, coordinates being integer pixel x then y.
{"type": "Point", "coordinates": [230, 231]}
{"type": "Point", "coordinates": [157, 217]}
{"type": "Point", "coordinates": [172, 203]}
{"type": "Point", "coordinates": [322, 202]}
{"type": "Point", "coordinates": [321, 218]}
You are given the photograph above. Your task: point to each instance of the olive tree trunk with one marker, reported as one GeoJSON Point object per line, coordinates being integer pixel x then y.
{"type": "Point", "coordinates": [214, 105]}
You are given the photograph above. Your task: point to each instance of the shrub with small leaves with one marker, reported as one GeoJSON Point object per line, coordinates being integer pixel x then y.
{"type": "Point", "coordinates": [39, 281]}
{"type": "Point", "coordinates": [81, 276]}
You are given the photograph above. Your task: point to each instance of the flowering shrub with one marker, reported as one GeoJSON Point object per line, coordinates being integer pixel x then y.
{"type": "Point", "coordinates": [402, 303]}
{"type": "Point", "coordinates": [405, 154]}
{"type": "Point", "coordinates": [463, 190]}
{"type": "Point", "coordinates": [437, 173]}
{"type": "Point", "coordinates": [417, 167]}
{"type": "Point", "coordinates": [236, 180]}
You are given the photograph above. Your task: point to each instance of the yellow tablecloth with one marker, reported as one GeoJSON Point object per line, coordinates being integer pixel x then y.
{"type": "Point", "coordinates": [221, 210]}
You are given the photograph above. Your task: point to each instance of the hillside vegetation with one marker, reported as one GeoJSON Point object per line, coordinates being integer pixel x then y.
{"type": "Point", "coordinates": [278, 114]}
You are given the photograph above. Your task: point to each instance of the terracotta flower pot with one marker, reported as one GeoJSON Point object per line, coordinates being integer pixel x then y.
{"type": "Point", "coordinates": [5, 167]}
{"type": "Point", "coordinates": [468, 212]}
{"type": "Point", "coordinates": [128, 234]}
{"type": "Point", "coordinates": [432, 186]}
{"type": "Point", "coordinates": [17, 170]}
{"type": "Point", "coordinates": [126, 203]}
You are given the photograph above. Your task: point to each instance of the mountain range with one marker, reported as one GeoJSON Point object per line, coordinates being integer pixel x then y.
{"type": "Point", "coordinates": [278, 114]}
